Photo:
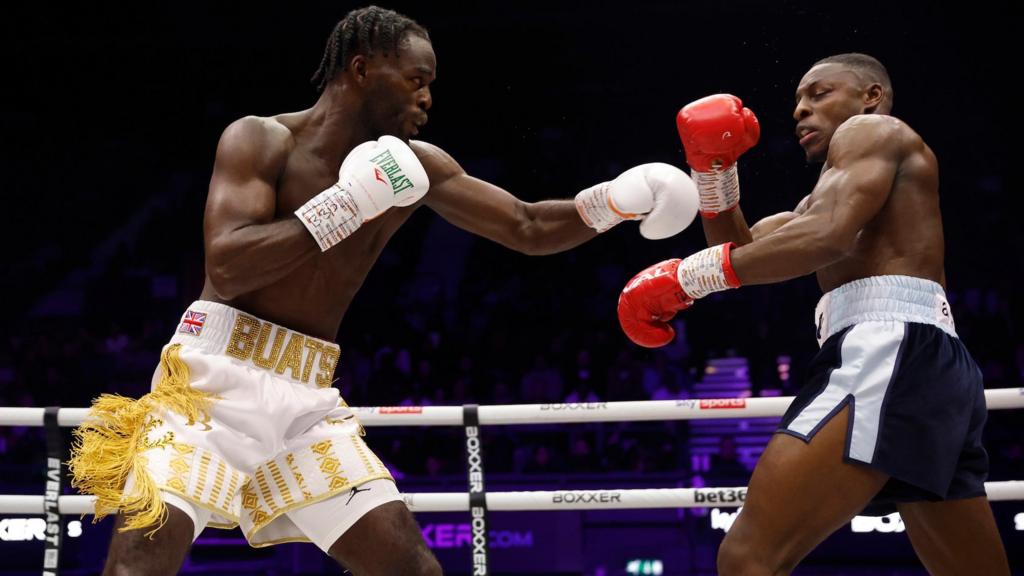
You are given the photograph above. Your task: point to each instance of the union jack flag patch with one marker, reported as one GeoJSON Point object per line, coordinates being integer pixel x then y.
{"type": "Point", "coordinates": [192, 323]}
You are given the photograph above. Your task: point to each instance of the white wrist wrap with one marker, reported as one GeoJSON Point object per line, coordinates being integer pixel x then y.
{"type": "Point", "coordinates": [330, 216]}
{"type": "Point", "coordinates": [704, 273]}
{"type": "Point", "coordinates": [719, 189]}
{"type": "Point", "coordinates": [596, 209]}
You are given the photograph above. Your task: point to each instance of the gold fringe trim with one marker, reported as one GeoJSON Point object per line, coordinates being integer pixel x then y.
{"type": "Point", "coordinates": [111, 441]}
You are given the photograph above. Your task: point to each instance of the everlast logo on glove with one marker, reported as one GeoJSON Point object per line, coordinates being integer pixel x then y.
{"type": "Point", "coordinates": [390, 167]}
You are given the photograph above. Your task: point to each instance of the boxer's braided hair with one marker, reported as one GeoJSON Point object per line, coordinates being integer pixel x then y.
{"type": "Point", "coordinates": [364, 31]}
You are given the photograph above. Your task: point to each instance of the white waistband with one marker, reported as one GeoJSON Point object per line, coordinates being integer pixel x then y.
{"type": "Point", "coordinates": [881, 298]}
{"type": "Point", "coordinates": [216, 328]}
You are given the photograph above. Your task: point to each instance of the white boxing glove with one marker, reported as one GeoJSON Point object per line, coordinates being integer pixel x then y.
{"type": "Point", "coordinates": [661, 196]}
{"type": "Point", "coordinates": [373, 177]}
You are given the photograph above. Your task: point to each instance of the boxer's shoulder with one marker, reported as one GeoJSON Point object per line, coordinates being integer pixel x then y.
{"type": "Point", "coordinates": [439, 165]}
{"type": "Point", "coordinates": [872, 134]}
{"type": "Point", "coordinates": [256, 141]}
{"type": "Point", "coordinates": [427, 152]}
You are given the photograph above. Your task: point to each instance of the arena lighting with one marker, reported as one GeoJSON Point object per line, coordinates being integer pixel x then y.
{"type": "Point", "coordinates": [642, 566]}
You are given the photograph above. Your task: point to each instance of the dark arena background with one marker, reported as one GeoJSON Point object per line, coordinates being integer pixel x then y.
{"type": "Point", "coordinates": [112, 118]}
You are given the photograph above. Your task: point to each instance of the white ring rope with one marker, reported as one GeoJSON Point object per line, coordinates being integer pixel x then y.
{"type": "Point", "coordinates": [693, 409]}
{"type": "Point", "coordinates": [996, 399]}
{"type": "Point", "coordinates": [611, 499]}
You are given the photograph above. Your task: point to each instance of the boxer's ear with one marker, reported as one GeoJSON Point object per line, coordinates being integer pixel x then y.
{"type": "Point", "coordinates": [357, 68]}
{"type": "Point", "coordinates": [874, 95]}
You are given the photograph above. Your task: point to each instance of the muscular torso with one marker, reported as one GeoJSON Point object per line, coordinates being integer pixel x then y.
{"type": "Point", "coordinates": [261, 259]}
{"type": "Point", "coordinates": [314, 297]}
{"type": "Point", "coordinates": [904, 237]}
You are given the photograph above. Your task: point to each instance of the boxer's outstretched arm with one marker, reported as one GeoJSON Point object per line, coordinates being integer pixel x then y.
{"type": "Point", "coordinates": [489, 211]}
{"type": "Point", "coordinates": [864, 156]}
{"type": "Point", "coordinates": [246, 247]}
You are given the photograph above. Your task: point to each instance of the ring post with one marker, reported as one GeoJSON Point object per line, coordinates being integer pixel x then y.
{"type": "Point", "coordinates": [477, 494]}
{"type": "Point", "coordinates": [54, 476]}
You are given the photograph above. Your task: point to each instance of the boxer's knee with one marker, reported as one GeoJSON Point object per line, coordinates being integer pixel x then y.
{"type": "Point", "coordinates": [411, 561]}
{"type": "Point", "coordinates": [414, 560]}
{"type": "Point", "coordinates": [427, 564]}
{"type": "Point", "coordinates": [135, 553]}
{"type": "Point", "coordinates": [738, 557]}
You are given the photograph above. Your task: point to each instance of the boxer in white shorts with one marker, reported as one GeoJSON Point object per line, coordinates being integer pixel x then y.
{"type": "Point", "coordinates": [277, 437]}
{"type": "Point", "coordinates": [242, 425]}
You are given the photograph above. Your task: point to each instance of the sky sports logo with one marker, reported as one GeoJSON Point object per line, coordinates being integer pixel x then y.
{"type": "Point", "coordinates": [723, 403]}
{"type": "Point", "coordinates": [712, 404]}
{"type": "Point", "coordinates": [400, 410]}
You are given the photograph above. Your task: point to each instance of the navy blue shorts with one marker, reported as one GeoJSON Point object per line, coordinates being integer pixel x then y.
{"type": "Point", "coordinates": [917, 408]}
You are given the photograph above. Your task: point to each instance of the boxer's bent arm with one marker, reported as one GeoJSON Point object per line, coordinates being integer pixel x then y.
{"type": "Point", "coordinates": [246, 247]}
{"type": "Point", "coordinates": [489, 211]}
{"type": "Point", "coordinates": [864, 157]}
{"type": "Point", "coordinates": [769, 224]}
{"type": "Point", "coordinates": [729, 226]}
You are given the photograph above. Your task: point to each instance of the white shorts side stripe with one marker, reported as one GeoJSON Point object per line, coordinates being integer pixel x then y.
{"type": "Point", "coordinates": [869, 353]}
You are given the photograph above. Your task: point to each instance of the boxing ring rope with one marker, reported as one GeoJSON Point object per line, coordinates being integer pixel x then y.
{"type": "Point", "coordinates": [496, 415]}
{"type": "Point", "coordinates": [530, 501]}
{"type": "Point", "coordinates": [476, 500]}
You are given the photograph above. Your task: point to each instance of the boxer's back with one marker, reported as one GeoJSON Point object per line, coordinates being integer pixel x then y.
{"type": "Point", "coordinates": [905, 236]}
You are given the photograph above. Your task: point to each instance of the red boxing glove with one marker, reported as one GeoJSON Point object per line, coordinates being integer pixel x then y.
{"type": "Point", "coordinates": [649, 301]}
{"type": "Point", "coordinates": [715, 131]}
{"type": "Point", "coordinates": [653, 297]}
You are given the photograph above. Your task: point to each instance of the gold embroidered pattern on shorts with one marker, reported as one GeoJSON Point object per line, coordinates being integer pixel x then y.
{"type": "Point", "coordinates": [282, 486]}
{"type": "Point", "coordinates": [204, 467]}
{"type": "Point", "coordinates": [306, 494]}
{"type": "Point", "coordinates": [218, 482]}
{"type": "Point", "coordinates": [230, 494]}
{"type": "Point", "coordinates": [181, 467]}
{"type": "Point", "coordinates": [268, 496]}
{"type": "Point", "coordinates": [329, 465]}
{"type": "Point", "coordinates": [251, 503]}
{"type": "Point", "coordinates": [357, 443]}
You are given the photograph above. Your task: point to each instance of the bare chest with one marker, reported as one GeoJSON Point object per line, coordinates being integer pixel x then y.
{"type": "Point", "coordinates": [334, 275]}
